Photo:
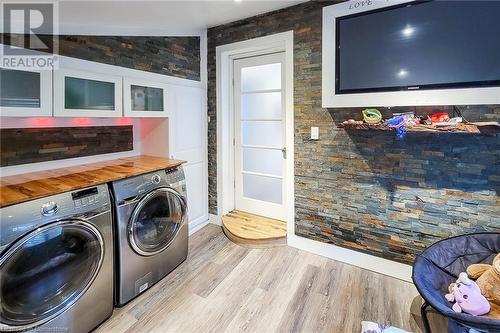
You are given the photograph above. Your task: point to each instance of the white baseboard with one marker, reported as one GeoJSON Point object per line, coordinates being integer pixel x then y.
{"type": "Point", "coordinates": [197, 225]}
{"type": "Point", "coordinates": [214, 219]}
{"type": "Point", "coordinates": [359, 259]}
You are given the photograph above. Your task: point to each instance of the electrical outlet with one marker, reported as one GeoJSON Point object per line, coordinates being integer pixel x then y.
{"type": "Point", "coordinates": [314, 133]}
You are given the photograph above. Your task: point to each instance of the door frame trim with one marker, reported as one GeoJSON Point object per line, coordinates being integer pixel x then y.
{"type": "Point", "coordinates": [225, 54]}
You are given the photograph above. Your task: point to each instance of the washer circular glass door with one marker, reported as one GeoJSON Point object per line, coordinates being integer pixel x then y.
{"type": "Point", "coordinates": [47, 271]}
{"type": "Point", "coordinates": [156, 220]}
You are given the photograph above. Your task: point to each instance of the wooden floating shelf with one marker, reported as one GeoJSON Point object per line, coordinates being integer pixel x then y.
{"type": "Point", "coordinates": [490, 129]}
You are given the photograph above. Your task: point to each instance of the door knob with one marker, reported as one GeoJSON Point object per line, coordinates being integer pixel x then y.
{"type": "Point", "coordinates": [283, 151]}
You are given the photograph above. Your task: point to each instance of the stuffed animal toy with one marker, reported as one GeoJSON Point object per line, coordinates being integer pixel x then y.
{"type": "Point", "coordinates": [467, 297]}
{"type": "Point", "coordinates": [488, 279]}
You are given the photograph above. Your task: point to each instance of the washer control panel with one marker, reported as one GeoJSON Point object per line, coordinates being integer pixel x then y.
{"type": "Point", "coordinates": [87, 197]}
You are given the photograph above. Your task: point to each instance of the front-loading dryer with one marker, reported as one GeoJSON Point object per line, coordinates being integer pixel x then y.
{"type": "Point", "coordinates": [56, 262]}
{"type": "Point", "coordinates": [151, 230]}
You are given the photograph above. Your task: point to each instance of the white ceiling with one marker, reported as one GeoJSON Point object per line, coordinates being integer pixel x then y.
{"type": "Point", "coordinates": [157, 17]}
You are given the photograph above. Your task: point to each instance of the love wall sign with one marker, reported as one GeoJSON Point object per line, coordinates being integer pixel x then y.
{"type": "Point", "coordinates": [360, 4]}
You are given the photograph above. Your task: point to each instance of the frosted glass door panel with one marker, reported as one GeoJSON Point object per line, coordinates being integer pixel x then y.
{"type": "Point", "coordinates": [19, 89]}
{"type": "Point", "coordinates": [262, 188]}
{"type": "Point", "coordinates": [266, 161]}
{"type": "Point", "coordinates": [262, 133]}
{"type": "Point", "coordinates": [259, 106]}
{"type": "Point", "coordinates": [263, 77]}
{"type": "Point", "coordinates": [146, 98]}
{"type": "Point", "coordinates": [87, 94]}
{"type": "Point", "coordinates": [259, 135]}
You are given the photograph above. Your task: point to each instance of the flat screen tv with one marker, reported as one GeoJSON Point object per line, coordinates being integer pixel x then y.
{"type": "Point", "coordinates": [418, 46]}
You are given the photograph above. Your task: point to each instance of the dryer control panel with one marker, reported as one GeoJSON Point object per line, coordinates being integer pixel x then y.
{"type": "Point", "coordinates": [133, 187]}
{"type": "Point", "coordinates": [175, 176]}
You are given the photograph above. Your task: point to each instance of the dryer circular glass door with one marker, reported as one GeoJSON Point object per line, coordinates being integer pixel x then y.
{"type": "Point", "coordinates": [156, 221]}
{"type": "Point", "coordinates": [47, 271]}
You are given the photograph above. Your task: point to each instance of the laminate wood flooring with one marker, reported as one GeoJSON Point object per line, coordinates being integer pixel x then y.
{"type": "Point", "coordinates": [223, 287]}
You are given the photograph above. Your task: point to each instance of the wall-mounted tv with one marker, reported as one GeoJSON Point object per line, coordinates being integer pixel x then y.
{"type": "Point", "coordinates": [421, 45]}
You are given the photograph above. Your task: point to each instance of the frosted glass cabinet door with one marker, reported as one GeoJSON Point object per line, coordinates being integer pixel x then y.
{"type": "Point", "coordinates": [146, 98]}
{"type": "Point", "coordinates": [143, 98]}
{"type": "Point", "coordinates": [81, 93]}
{"type": "Point", "coordinates": [85, 94]}
{"type": "Point", "coordinates": [25, 93]}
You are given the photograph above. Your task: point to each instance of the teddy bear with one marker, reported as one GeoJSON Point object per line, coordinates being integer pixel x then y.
{"type": "Point", "coordinates": [488, 279]}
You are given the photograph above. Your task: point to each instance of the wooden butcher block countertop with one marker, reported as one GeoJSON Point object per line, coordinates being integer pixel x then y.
{"type": "Point", "coordinates": [24, 187]}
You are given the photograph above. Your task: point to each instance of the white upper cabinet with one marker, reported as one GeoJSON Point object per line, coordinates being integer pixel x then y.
{"type": "Point", "coordinates": [81, 90]}
{"type": "Point", "coordinates": [144, 98]}
{"type": "Point", "coordinates": [25, 93]}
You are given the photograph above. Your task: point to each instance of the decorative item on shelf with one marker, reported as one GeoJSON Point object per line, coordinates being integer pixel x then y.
{"type": "Point", "coordinates": [372, 116]}
{"type": "Point", "coordinates": [409, 117]}
{"type": "Point", "coordinates": [453, 122]}
{"type": "Point", "coordinates": [439, 117]}
{"type": "Point", "coordinates": [425, 121]}
{"type": "Point", "coordinates": [352, 122]}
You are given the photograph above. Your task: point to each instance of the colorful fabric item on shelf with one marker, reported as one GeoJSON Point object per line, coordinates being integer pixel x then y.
{"type": "Point", "coordinates": [398, 123]}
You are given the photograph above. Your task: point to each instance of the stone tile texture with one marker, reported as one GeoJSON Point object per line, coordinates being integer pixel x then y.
{"type": "Point", "coordinates": [174, 56]}
{"type": "Point", "coordinates": [32, 145]}
{"type": "Point", "coordinates": [365, 190]}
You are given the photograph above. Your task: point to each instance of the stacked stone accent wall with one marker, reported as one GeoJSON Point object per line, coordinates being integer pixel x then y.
{"type": "Point", "coordinates": [365, 190]}
{"type": "Point", "coordinates": [174, 56]}
{"type": "Point", "coordinates": [31, 145]}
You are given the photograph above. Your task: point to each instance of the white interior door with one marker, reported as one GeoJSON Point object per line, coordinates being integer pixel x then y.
{"type": "Point", "coordinates": [188, 141]}
{"type": "Point", "coordinates": [259, 145]}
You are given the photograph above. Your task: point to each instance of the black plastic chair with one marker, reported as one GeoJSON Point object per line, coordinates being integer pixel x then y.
{"type": "Point", "coordinates": [440, 264]}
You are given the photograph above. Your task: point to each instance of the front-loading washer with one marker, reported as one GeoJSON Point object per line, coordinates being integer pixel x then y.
{"type": "Point", "coordinates": [56, 262]}
{"type": "Point", "coordinates": [151, 230]}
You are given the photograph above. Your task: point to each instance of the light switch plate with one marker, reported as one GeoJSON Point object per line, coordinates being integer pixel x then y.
{"type": "Point", "coordinates": [314, 133]}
